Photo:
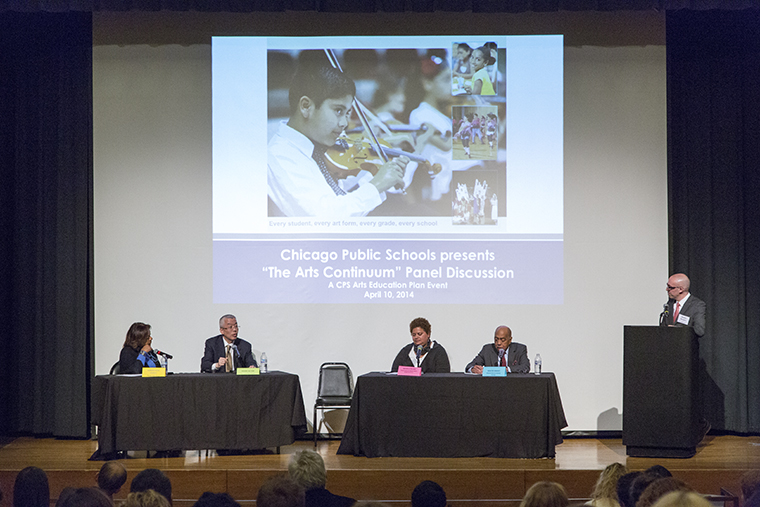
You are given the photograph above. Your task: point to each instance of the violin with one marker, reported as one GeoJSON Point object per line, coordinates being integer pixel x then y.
{"type": "Point", "coordinates": [350, 155]}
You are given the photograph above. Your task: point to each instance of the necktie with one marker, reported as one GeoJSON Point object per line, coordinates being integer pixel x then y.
{"type": "Point", "coordinates": [319, 157]}
{"type": "Point", "coordinates": [503, 360]}
{"type": "Point", "coordinates": [228, 363]}
{"type": "Point", "coordinates": [675, 314]}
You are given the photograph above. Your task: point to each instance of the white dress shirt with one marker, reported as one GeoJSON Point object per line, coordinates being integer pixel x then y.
{"type": "Point", "coordinates": [298, 188]}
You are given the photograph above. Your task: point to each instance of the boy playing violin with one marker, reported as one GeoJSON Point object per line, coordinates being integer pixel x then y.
{"type": "Point", "coordinates": [299, 181]}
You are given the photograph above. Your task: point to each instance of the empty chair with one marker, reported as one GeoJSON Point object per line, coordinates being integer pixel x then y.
{"type": "Point", "coordinates": [336, 387]}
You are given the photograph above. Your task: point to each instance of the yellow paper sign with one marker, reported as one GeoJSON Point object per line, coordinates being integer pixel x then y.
{"type": "Point", "coordinates": [247, 371]}
{"type": "Point", "coordinates": [154, 372]}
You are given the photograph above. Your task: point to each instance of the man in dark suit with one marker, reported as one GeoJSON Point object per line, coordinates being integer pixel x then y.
{"type": "Point", "coordinates": [684, 309]}
{"type": "Point", "coordinates": [226, 352]}
{"type": "Point", "coordinates": [514, 355]}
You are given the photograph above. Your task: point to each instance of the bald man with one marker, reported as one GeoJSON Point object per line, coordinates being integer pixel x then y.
{"type": "Point", "coordinates": [515, 355]}
{"type": "Point", "coordinates": [684, 309]}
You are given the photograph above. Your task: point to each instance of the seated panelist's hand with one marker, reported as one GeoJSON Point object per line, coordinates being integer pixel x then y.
{"type": "Point", "coordinates": [390, 174]}
{"type": "Point", "coordinates": [477, 369]}
{"type": "Point", "coordinates": [222, 361]}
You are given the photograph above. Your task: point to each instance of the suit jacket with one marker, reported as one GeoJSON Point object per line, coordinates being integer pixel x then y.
{"type": "Point", "coordinates": [436, 361]}
{"type": "Point", "coordinates": [216, 347]}
{"type": "Point", "coordinates": [320, 497]}
{"type": "Point", "coordinates": [517, 358]}
{"type": "Point", "coordinates": [694, 308]}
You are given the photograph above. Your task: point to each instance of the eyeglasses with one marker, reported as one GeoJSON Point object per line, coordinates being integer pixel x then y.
{"type": "Point", "coordinates": [233, 326]}
{"type": "Point", "coordinates": [670, 287]}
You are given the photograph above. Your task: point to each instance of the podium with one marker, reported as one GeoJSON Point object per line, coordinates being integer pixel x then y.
{"type": "Point", "coordinates": [660, 391]}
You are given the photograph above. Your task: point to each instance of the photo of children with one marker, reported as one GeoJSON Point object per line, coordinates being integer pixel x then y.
{"type": "Point", "coordinates": [475, 134]}
{"type": "Point", "coordinates": [368, 132]}
{"type": "Point", "coordinates": [474, 69]}
{"type": "Point", "coordinates": [478, 198]}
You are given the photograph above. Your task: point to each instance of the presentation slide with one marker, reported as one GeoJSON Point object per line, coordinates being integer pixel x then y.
{"type": "Point", "coordinates": [302, 212]}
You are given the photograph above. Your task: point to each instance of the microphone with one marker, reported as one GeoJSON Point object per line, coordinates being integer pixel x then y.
{"type": "Point", "coordinates": [501, 356]}
{"type": "Point", "coordinates": [162, 353]}
{"type": "Point", "coordinates": [665, 314]}
{"type": "Point", "coordinates": [418, 352]}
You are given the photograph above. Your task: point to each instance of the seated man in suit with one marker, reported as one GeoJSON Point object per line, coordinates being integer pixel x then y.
{"type": "Point", "coordinates": [226, 352]}
{"type": "Point", "coordinates": [502, 352]}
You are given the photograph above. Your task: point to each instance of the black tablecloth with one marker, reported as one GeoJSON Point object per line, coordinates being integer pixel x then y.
{"type": "Point", "coordinates": [454, 415]}
{"type": "Point", "coordinates": [197, 411]}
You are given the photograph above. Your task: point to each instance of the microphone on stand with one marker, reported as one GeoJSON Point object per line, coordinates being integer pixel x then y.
{"type": "Point", "coordinates": [162, 353]}
{"type": "Point", "coordinates": [501, 356]}
{"type": "Point", "coordinates": [419, 353]}
{"type": "Point", "coordinates": [665, 315]}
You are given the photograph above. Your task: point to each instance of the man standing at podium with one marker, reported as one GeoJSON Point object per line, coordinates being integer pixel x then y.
{"type": "Point", "coordinates": [226, 352]}
{"type": "Point", "coordinates": [502, 352]}
{"type": "Point", "coordinates": [684, 309]}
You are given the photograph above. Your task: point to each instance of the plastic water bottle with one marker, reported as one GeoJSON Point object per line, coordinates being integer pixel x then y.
{"type": "Point", "coordinates": [264, 364]}
{"type": "Point", "coordinates": [537, 365]}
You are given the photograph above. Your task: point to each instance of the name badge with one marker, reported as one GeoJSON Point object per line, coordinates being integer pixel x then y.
{"type": "Point", "coordinates": [154, 372]}
{"type": "Point", "coordinates": [409, 371]}
{"type": "Point", "coordinates": [494, 371]}
{"type": "Point", "coordinates": [247, 371]}
{"type": "Point", "coordinates": [683, 319]}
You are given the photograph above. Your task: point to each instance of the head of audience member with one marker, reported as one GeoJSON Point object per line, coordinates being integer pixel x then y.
{"type": "Point", "coordinates": [280, 491]}
{"type": "Point", "coordinates": [147, 498]}
{"type": "Point", "coordinates": [659, 488]}
{"type": "Point", "coordinates": [682, 499]}
{"type": "Point", "coordinates": [111, 477]}
{"type": "Point", "coordinates": [606, 485]}
{"type": "Point", "coordinates": [750, 484]}
{"type": "Point", "coordinates": [502, 337]}
{"type": "Point", "coordinates": [624, 488]}
{"type": "Point", "coordinates": [64, 495]}
{"type": "Point", "coordinates": [209, 499]}
{"type": "Point", "coordinates": [307, 469]}
{"type": "Point", "coordinates": [320, 99]}
{"type": "Point", "coordinates": [428, 494]}
{"type": "Point", "coordinates": [83, 497]}
{"type": "Point", "coordinates": [138, 335]}
{"type": "Point", "coordinates": [420, 329]}
{"type": "Point", "coordinates": [545, 494]}
{"type": "Point", "coordinates": [678, 286]}
{"type": "Point", "coordinates": [658, 471]}
{"type": "Point", "coordinates": [638, 486]}
{"type": "Point", "coordinates": [31, 488]}
{"type": "Point", "coordinates": [155, 479]}
{"type": "Point", "coordinates": [229, 328]}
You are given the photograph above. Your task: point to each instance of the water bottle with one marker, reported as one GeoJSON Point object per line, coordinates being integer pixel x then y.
{"type": "Point", "coordinates": [537, 365]}
{"type": "Point", "coordinates": [264, 365]}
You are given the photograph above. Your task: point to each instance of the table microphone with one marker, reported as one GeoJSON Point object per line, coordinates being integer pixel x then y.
{"type": "Point", "coordinates": [501, 355]}
{"type": "Point", "coordinates": [162, 353]}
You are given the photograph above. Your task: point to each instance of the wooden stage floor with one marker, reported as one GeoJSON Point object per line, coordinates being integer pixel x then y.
{"type": "Point", "coordinates": [720, 461]}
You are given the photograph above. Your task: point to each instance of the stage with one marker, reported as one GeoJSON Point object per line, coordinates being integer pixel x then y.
{"type": "Point", "coordinates": [720, 461]}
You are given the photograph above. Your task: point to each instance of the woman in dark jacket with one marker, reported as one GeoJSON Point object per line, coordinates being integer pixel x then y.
{"type": "Point", "coordinates": [137, 351]}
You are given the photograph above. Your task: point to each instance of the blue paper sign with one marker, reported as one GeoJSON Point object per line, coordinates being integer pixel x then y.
{"type": "Point", "coordinates": [494, 371]}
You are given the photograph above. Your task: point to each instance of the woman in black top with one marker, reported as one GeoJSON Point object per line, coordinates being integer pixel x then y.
{"type": "Point", "coordinates": [422, 352]}
{"type": "Point", "coordinates": [137, 351]}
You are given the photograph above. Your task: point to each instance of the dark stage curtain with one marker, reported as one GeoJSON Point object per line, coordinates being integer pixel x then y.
{"type": "Point", "coordinates": [486, 6]}
{"type": "Point", "coordinates": [714, 198]}
{"type": "Point", "coordinates": [46, 216]}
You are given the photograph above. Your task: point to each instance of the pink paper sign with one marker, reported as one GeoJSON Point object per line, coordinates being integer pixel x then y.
{"type": "Point", "coordinates": [409, 371]}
